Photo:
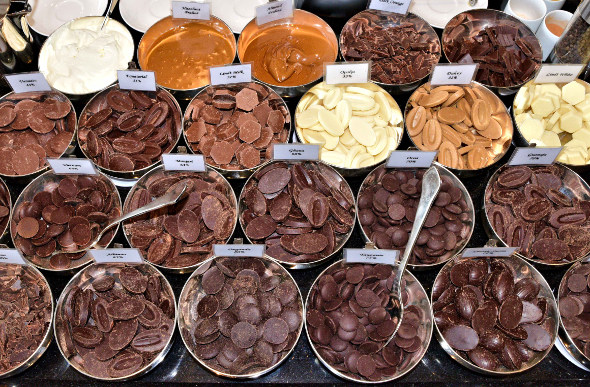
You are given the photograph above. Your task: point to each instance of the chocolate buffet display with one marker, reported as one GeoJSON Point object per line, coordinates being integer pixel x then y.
{"type": "Point", "coordinates": [263, 117]}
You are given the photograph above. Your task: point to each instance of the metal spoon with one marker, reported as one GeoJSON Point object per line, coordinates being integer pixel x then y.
{"type": "Point", "coordinates": [430, 186]}
{"type": "Point", "coordinates": [112, 5]}
{"type": "Point", "coordinates": [172, 197]}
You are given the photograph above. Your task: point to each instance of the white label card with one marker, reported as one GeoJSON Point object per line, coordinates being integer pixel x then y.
{"type": "Point", "coordinates": [395, 6]}
{"type": "Point", "coordinates": [558, 73]}
{"type": "Point", "coordinates": [191, 10]}
{"type": "Point", "coordinates": [27, 82]}
{"type": "Point", "coordinates": [274, 10]}
{"type": "Point", "coordinates": [386, 257]}
{"type": "Point", "coordinates": [296, 151]}
{"type": "Point", "coordinates": [183, 162]}
{"type": "Point", "coordinates": [223, 75]}
{"type": "Point", "coordinates": [534, 156]}
{"type": "Point", "coordinates": [489, 252]}
{"type": "Point", "coordinates": [11, 256]}
{"type": "Point", "coordinates": [137, 80]}
{"type": "Point", "coordinates": [410, 159]}
{"type": "Point", "coordinates": [349, 72]}
{"type": "Point", "coordinates": [453, 74]}
{"type": "Point", "coordinates": [239, 250]}
{"type": "Point", "coordinates": [69, 166]}
{"type": "Point", "coordinates": [116, 256]}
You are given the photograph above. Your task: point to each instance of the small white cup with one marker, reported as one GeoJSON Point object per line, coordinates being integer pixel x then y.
{"type": "Point", "coordinates": [548, 38]}
{"type": "Point", "coordinates": [553, 5]}
{"type": "Point", "coordinates": [530, 12]}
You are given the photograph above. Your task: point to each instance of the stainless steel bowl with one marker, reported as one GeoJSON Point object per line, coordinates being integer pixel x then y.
{"type": "Point", "coordinates": [325, 169]}
{"type": "Point", "coordinates": [300, 17]}
{"type": "Point", "coordinates": [574, 186]}
{"type": "Point", "coordinates": [151, 39]}
{"type": "Point", "coordinates": [232, 173]}
{"type": "Point", "coordinates": [83, 280]}
{"type": "Point", "coordinates": [508, 133]}
{"type": "Point", "coordinates": [391, 20]}
{"type": "Point", "coordinates": [29, 192]}
{"type": "Point", "coordinates": [372, 179]}
{"type": "Point", "coordinates": [416, 296]}
{"type": "Point", "coordinates": [210, 175]}
{"type": "Point", "coordinates": [192, 292]}
{"type": "Point", "coordinates": [491, 18]}
{"type": "Point", "coordinates": [521, 269]}
{"type": "Point", "coordinates": [119, 177]}
{"type": "Point", "coordinates": [5, 191]}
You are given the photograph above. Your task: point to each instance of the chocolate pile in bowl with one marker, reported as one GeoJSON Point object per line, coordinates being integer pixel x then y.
{"type": "Point", "coordinates": [545, 211]}
{"type": "Point", "coordinates": [302, 211]}
{"type": "Point", "coordinates": [349, 320]}
{"type": "Point", "coordinates": [402, 48]}
{"type": "Point", "coordinates": [387, 203]}
{"type": "Point", "coordinates": [114, 320]}
{"type": "Point", "coordinates": [126, 131]}
{"type": "Point", "coordinates": [181, 235]}
{"type": "Point", "coordinates": [25, 311]}
{"type": "Point", "coordinates": [574, 306]}
{"type": "Point", "coordinates": [33, 127]}
{"type": "Point", "coordinates": [235, 126]}
{"type": "Point", "coordinates": [507, 52]}
{"type": "Point", "coordinates": [63, 213]}
{"type": "Point", "coordinates": [492, 313]}
{"type": "Point", "coordinates": [241, 316]}
{"type": "Point", "coordinates": [4, 207]}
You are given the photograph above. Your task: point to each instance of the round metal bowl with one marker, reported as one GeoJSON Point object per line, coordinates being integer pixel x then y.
{"type": "Point", "coordinates": [521, 269]}
{"type": "Point", "coordinates": [388, 20]}
{"type": "Point", "coordinates": [71, 123]}
{"type": "Point", "coordinates": [192, 293]}
{"type": "Point", "coordinates": [83, 280]}
{"type": "Point", "coordinates": [99, 19]}
{"type": "Point", "coordinates": [31, 271]}
{"type": "Point", "coordinates": [325, 170]}
{"type": "Point", "coordinates": [211, 175]}
{"type": "Point", "coordinates": [128, 178]}
{"type": "Point", "coordinates": [27, 194]}
{"type": "Point", "coordinates": [300, 18]}
{"type": "Point", "coordinates": [376, 174]}
{"type": "Point", "coordinates": [171, 26]}
{"type": "Point", "coordinates": [520, 140]}
{"type": "Point", "coordinates": [507, 131]}
{"type": "Point", "coordinates": [492, 18]}
{"type": "Point", "coordinates": [574, 187]}
{"type": "Point", "coordinates": [7, 200]}
{"type": "Point", "coordinates": [565, 337]}
{"type": "Point", "coordinates": [416, 297]}
{"type": "Point", "coordinates": [317, 93]}
{"type": "Point", "coordinates": [233, 173]}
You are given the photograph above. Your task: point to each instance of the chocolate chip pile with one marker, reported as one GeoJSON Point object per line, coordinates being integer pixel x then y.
{"type": "Point", "coordinates": [129, 130]}
{"type": "Point", "coordinates": [181, 235]}
{"type": "Point", "coordinates": [116, 321]}
{"type": "Point", "coordinates": [507, 52]}
{"type": "Point", "coordinates": [66, 213]}
{"type": "Point", "coordinates": [402, 49]}
{"type": "Point", "coordinates": [34, 126]}
{"type": "Point", "coordinates": [303, 212]}
{"type": "Point", "coordinates": [541, 210]}
{"type": "Point", "coordinates": [235, 126]}
{"type": "Point", "coordinates": [574, 306]}
{"type": "Point", "coordinates": [387, 204]}
{"type": "Point", "coordinates": [491, 318]}
{"type": "Point", "coordinates": [349, 320]}
{"type": "Point", "coordinates": [243, 315]}
{"type": "Point", "coordinates": [25, 314]}
{"type": "Point", "coordinates": [4, 207]}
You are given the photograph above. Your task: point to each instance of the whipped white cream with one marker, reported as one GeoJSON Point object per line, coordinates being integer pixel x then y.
{"type": "Point", "coordinates": [80, 58]}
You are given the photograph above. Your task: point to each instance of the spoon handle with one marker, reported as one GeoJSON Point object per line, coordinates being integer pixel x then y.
{"type": "Point", "coordinates": [430, 186]}
{"type": "Point", "coordinates": [112, 5]}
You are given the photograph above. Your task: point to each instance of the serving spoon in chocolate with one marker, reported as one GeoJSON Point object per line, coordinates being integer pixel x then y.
{"type": "Point", "coordinates": [112, 5]}
{"type": "Point", "coordinates": [175, 194]}
{"type": "Point", "coordinates": [430, 186]}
